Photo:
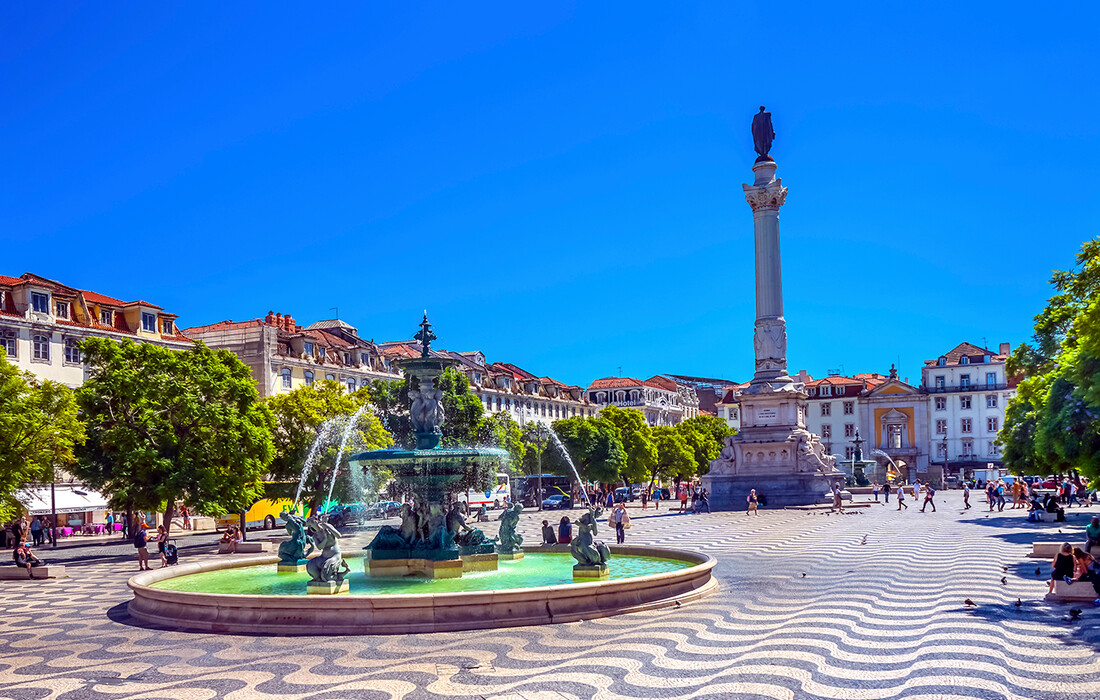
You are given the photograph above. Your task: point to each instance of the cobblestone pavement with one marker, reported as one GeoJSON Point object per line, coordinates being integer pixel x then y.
{"type": "Point", "coordinates": [877, 620]}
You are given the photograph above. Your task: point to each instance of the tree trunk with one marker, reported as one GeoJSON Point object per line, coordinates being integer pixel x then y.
{"type": "Point", "coordinates": [169, 511]}
{"type": "Point", "coordinates": [129, 519]}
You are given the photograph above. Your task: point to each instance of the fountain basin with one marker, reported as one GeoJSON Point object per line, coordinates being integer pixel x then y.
{"type": "Point", "coordinates": [402, 613]}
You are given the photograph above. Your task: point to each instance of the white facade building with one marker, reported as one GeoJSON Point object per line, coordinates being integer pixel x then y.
{"type": "Point", "coordinates": [42, 321]}
{"type": "Point", "coordinates": [660, 399]}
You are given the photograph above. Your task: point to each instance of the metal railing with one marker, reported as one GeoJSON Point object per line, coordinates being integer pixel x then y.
{"type": "Point", "coordinates": [952, 388]}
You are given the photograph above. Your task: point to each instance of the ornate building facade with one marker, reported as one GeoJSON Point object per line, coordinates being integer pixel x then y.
{"type": "Point", "coordinates": [42, 322]}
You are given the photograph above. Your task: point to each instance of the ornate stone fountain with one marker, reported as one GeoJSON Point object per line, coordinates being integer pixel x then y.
{"type": "Point", "coordinates": [433, 540]}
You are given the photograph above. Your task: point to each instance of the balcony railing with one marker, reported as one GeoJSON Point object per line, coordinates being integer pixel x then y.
{"type": "Point", "coordinates": [964, 387]}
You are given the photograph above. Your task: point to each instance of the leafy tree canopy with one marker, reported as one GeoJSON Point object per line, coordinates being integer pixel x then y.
{"type": "Point", "coordinates": [166, 425]}
{"type": "Point", "coordinates": [675, 457]}
{"type": "Point", "coordinates": [705, 436]}
{"type": "Point", "coordinates": [637, 439]}
{"type": "Point", "coordinates": [1053, 422]}
{"type": "Point", "coordinates": [500, 430]}
{"type": "Point", "coordinates": [593, 445]}
{"type": "Point", "coordinates": [39, 428]}
{"type": "Point", "coordinates": [301, 416]}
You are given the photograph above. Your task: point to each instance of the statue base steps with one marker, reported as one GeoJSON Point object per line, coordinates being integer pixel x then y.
{"type": "Point", "coordinates": [509, 556]}
{"type": "Point", "coordinates": [425, 568]}
{"type": "Point", "coordinates": [327, 587]}
{"type": "Point", "coordinates": [292, 568]}
{"type": "Point", "coordinates": [586, 572]}
{"type": "Point", "coordinates": [479, 562]}
{"type": "Point", "coordinates": [730, 491]}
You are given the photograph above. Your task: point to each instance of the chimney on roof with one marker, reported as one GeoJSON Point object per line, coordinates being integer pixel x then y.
{"type": "Point", "coordinates": [279, 320]}
{"type": "Point", "coordinates": [289, 323]}
{"type": "Point", "coordinates": [270, 318]}
{"type": "Point", "coordinates": [1005, 349]}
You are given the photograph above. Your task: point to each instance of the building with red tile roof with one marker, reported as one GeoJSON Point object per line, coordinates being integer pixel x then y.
{"type": "Point", "coordinates": [42, 321]}
{"type": "Point", "coordinates": [662, 400]}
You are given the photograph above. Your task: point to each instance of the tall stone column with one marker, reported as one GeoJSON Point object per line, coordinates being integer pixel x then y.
{"type": "Point", "coordinates": [765, 196]}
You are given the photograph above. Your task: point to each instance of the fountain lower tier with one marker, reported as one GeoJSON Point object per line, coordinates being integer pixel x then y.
{"type": "Point", "coordinates": [504, 598]}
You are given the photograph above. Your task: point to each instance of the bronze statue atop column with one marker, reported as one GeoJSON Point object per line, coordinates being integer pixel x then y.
{"type": "Point", "coordinates": [762, 134]}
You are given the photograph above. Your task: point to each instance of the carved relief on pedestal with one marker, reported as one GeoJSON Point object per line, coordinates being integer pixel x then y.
{"type": "Point", "coordinates": [811, 453]}
{"type": "Point", "coordinates": [770, 342]}
{"type": "Point", "coordinates": [727, 459]}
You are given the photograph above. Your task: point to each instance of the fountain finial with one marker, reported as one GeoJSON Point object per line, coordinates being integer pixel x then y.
{"type": "Point", "coordinates": [425, 336]}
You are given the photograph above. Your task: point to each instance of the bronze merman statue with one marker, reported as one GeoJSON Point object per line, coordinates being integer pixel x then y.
{"type": "Point", "coordinates": [585, 548]}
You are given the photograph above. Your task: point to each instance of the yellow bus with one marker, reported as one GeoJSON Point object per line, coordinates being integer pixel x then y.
{"type": "Point", "coordinates": [263, 514]}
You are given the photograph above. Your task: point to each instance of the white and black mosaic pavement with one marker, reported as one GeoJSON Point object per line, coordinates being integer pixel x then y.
{"type": "Point", "coordinates": [883, 619]}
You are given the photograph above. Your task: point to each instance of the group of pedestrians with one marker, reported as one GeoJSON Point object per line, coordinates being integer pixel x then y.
{"type": "Point", "coordinates": [39, 530]}
{"type": "Point", "coordinates": [917, 490]}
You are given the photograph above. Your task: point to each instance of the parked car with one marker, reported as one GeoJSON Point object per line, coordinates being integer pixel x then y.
{"type": "Point", "coordinates": [557, 501]}
{"type": "Point", "coordinates": [383, 509]}
{"type": "Point", "coordinates": [623, 494]}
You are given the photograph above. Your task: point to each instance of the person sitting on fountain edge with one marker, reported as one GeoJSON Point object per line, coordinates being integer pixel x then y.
{"type": "Point", "coordinates": [24, 558]}
{"type": "Point", "coordinates": [548, 536]}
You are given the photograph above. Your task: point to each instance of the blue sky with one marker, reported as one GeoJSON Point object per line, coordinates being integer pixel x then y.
{"type": "Point", "coordinates": [558, 184]}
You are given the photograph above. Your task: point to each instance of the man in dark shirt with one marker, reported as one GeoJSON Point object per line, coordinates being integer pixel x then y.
{"type": "Point", "coordinates": [24, 558]}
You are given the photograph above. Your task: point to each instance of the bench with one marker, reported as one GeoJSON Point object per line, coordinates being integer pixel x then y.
{"type": "Point", "coordinates": [1045, 550]}
{"type": "Point", "coordinates": [1072, 592]}
{"type": "Point", "coordinates": [16, 573]}
{"type": "Point", "coordinates": [245, 547]}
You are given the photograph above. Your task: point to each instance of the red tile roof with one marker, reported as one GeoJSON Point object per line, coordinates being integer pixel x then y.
{"type": "Point", "coordinates": [96, 298]}
{"type": "Point", "coordinates": [614, 383]}
{"type": "Point", "coordinates": [969, 350]}
{"type": "Point", "coordinates": [10, 281]}
{"type": "Point", "coordinates": [660, 382]}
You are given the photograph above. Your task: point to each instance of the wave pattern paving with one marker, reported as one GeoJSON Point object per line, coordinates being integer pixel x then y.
{"type": "Point", "coordinates": [883, 619]}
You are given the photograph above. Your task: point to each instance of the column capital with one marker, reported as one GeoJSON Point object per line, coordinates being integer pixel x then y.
{"type": "Point", "coordinates": [765, 197]}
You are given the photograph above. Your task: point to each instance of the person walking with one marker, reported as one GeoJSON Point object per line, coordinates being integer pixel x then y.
{"type": "Point", "coordinates": [929, 494]}
{"type": "Point", "coordinates": [20, 530]}
{"type": "Point", "coordinates": [657, 498]}
{"type": "Point", "coordinates": [752, 503]}
{"type": "Point", "coordinates": [110, 521]}
{"type": "Point", "coordinates": [186, 517]}
{"type": "Point", "coordinates": [990, 495]}
{"type": "Point", "coordinates": [1000, 496]}
{"type": "Point", "coordinates": [47, 529]}
{"type": "Point", "coordinates": [901, 499]}
{"type": "Point", "coordinates": [966, 496]}
{"type": "Point", "coordinates": [838, 502]}
{"type": "Point", "coordinates": [683, 499]}
{"type": "Point", "coordinates": [886, 490]}
{"type": "Point", "coordinates": [874, 490]}
{"type": "Point", "coordinates": [645, 500]}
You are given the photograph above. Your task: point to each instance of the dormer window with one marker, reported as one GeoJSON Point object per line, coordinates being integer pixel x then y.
{"type": "Point", "coordinates": [107, 317]}
{"type": "Point", "coordinates": [825, 390]}
{"type": "Point", "coordinates": [964, 360]}
{"type": "Point", "coordinates": [149, 322]}
{"type": "Point", "coordinates": [309, 348]}
{"type": "Point", "coordinates": [942, 362]}
{"type": "Point", "coordinates": [987, 358]}
{"type": "Point", "coordinates": [321, 352]}
{"type": "Point", "coordinates": [347, 358]}
{"type": "Point", "coordinates": [61, 309]}
{"type": "Point", "coordinates": [166, 327]}
{"type": "Point", "coordinates": [477, 377]}
{"type": "Point", "coordinates": [40, 302]}
{"type": "Point", "coordinates": [364, 359]}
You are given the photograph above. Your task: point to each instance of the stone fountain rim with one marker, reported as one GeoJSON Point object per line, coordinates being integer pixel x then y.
{"type": "Point", "coordinates": [142, 580]}
{"type": "Point", "coordinates": [414, 612]}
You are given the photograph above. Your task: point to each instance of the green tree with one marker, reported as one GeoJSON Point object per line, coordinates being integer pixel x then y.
{"type": "Point", "coordinates": [674, 457]}
{"type": "Point", "coordinates": [167, 425]}
{"type": "Point", "coordinates": [594, 446]}
{"type": "Point", "coordinates": [705, 436]}
{"type": "Point", "coordinates": [498, 429]}
{"type": "Point", "coordinates": [299, 417]}
{"type": "Point", "coordinates": [462, 410]}
{"type": "Point", "coordinates": [39, 428]}
{"type": "Point", "coordinates": [637, 439]}
{"type": "Point", "coordinates": [1053, 422]}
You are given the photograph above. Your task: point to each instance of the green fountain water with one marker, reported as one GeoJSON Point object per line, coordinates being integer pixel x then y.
{"type": "Point", "coordinates": [535, 570]}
